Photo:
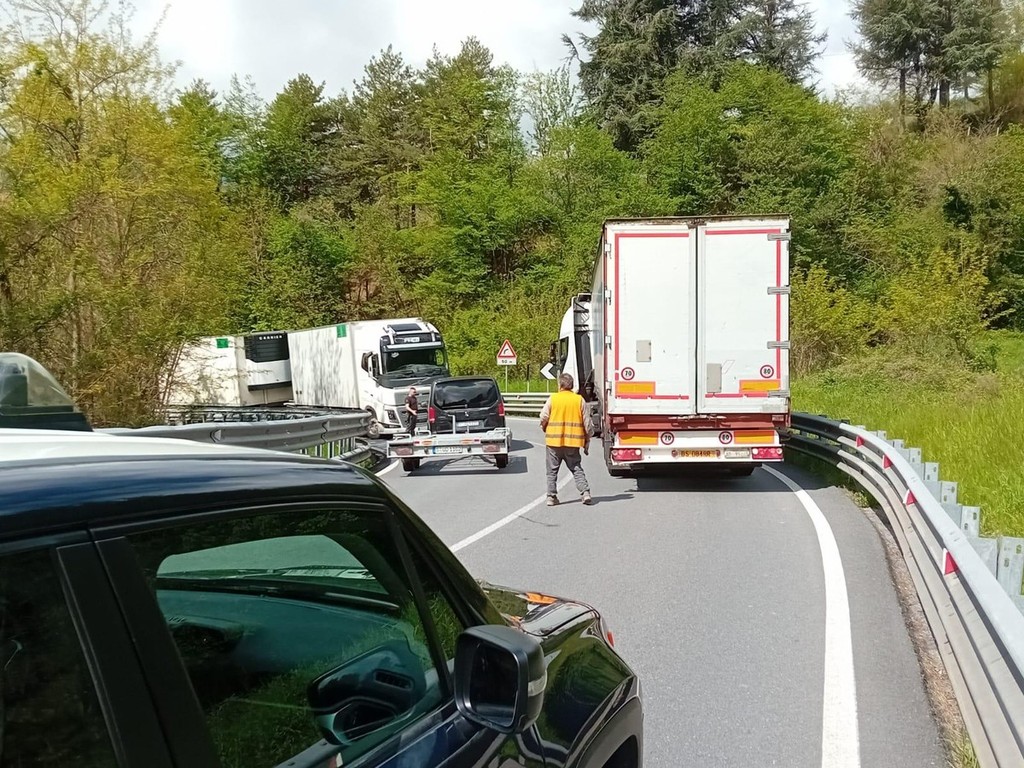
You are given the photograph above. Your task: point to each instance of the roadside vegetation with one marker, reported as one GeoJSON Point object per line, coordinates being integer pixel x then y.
{"type": "Point", "coordinates": [135, 215]}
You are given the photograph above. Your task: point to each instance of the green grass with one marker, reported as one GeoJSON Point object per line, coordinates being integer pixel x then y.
{"type": "Point", "coordinates": [973, 425]}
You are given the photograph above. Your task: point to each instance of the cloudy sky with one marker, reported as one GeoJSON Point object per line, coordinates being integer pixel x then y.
{"type": "Point", "coordinates": [331, 40]}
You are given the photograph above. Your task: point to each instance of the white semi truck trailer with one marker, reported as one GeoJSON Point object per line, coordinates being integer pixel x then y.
{"type": "Point", "coordinates": [681, 347]}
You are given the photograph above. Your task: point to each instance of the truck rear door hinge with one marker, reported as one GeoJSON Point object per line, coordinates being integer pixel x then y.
{"type": "Point", "coordinates": [608, 295]}
{"type": "Point", "coordinates": [784, 237]}
{"type": "Point", "coordinates": [607, 247]}
{"type": "Point", "coordinates": [608, 341]}
{"type": "Point", "coordinates": [779, 393]}
{"type": "Point", "coordinates": [778, 345]}
{"type": "Point", "coordinates": [779, 290]}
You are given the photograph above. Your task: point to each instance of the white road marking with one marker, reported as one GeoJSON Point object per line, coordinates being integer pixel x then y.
{"type": "Point", "coordinates": [840, 733]}
{"type": "Point", "coordinates": [506, 520]}
{"type": "Point", "coordinates": [388, 468]}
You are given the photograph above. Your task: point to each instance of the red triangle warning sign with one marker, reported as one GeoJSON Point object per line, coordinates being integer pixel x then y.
{"type": "Point", "coordinates": [506, 352]}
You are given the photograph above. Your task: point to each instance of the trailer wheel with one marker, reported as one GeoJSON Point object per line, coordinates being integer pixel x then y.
{"type": "Point", "coordinates": [410, 465]}
{"type": "Point", "coordinates": [501, 461]}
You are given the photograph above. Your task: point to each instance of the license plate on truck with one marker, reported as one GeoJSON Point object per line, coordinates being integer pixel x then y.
{"type": "Point", "coordinates": [699, 454]}
{"type": "Point", "coordinates": [737, 453]}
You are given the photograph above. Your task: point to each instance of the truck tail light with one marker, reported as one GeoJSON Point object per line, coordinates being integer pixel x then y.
{"type": "Point", "coordinates": [627, 454]}
{"type": "Point", "coordinates": [767, 453]}
{"type": "Point", "coordinates": [431, 414]}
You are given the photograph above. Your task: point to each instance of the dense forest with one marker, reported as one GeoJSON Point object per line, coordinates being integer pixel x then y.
{"type": "Point", "coordinates": [134, 215]}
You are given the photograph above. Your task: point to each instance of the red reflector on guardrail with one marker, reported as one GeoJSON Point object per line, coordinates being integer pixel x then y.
{"type": "Point", "coordinates": [948, 563]}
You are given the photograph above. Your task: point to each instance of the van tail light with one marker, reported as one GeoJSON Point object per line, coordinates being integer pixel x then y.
{"type": "Point", "coordinates": [501, 407]}
{"type": "Point", "coordinates": [431, 414]}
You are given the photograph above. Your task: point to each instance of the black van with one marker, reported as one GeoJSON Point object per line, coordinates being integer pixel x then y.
{"type": "Point", "coordinates": [473, 402]}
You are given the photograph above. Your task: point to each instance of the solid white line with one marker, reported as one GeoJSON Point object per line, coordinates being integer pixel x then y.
{"type": "Point", "coordinates": [840, 733]}
{"type": "Point", "coordinates": [506, 520]}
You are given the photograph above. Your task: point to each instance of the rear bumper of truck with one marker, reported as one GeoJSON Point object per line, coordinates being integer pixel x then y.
{"type": "Point", "coordinates": [634, 448]}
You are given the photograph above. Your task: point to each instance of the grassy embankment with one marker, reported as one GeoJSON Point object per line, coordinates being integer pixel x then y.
{"type": "Point", "coordinates": [973, 425]}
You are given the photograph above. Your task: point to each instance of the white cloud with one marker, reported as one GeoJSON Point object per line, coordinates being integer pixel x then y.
{"type": "Point", "coordinates": [331, 40]}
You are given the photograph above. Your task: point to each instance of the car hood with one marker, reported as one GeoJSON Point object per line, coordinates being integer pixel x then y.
{"type": "Point", "coordinates": [536, 613]}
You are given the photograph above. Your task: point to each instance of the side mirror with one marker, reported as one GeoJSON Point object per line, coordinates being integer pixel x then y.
{"type": "Point", "coordinates": [553, 353]}
{"type": "Point", "coordinates": [365, 363]}
{"type": "Point", "coordinates": [500, 678]}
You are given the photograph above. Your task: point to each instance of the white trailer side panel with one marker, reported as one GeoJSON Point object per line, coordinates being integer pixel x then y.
{"type": "Point", "coordinates": [207, 373]}
{"type": "Point", "coordinates": [651, 273]}
{"type": "Point", "coordinates": [743, 316]}
{"type": "Point", "coordinates": [323, 366]}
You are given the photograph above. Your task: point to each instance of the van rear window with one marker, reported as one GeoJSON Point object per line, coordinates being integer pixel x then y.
{"type": "Point", "coordinates": [470, 393]}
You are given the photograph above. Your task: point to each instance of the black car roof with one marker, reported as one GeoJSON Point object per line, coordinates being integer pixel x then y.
{"type": "Point", "coordinates": [53, 492]}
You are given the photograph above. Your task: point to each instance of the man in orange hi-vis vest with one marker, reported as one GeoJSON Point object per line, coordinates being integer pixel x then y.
{"type": "Point", "coordinates": [564, 422]}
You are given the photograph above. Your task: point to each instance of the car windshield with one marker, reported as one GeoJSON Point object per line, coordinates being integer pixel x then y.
{"type": "Point", "coordinates": [468, 393]}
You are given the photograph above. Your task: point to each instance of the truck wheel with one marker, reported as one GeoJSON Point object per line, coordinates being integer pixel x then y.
{"type": "Point", "coordinates": [373, 431]}
{"type": "Point", "coordinates": [410, 465]}
{"type": "Point", "coordinates": [501, 461]}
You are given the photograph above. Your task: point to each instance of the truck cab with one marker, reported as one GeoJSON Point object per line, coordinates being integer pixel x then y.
{"type": "Point", "coordinates": [408, 353]}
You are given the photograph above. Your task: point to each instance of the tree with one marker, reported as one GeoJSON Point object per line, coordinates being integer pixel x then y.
{"type": "Point", "coordinates": [637, 45]}
{"type": "Point", "coordinates": [114, 245]}
{"type": "Point", "coordinates": [778, 35]}
{"type": "Point", "coordinates": [551, 101]}
{"type": "Point", "coordinates": [378, 140]}
{"type": "Point", "coordinates": [198, 111]}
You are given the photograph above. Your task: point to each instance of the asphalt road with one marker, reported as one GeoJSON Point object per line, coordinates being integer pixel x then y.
{"type": "Point", "coordinates": [762, 621]}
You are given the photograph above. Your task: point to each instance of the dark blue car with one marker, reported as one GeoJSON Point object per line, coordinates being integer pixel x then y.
{"type": "Point", "coordinates": [165, 603]}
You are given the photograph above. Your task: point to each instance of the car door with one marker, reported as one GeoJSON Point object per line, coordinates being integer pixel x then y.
{"type": "Point", "coordinates": [303, 635]}
{"type": "Point", "coordinates": [71, 692]}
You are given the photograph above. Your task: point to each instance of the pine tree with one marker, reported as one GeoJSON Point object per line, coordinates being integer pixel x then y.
{"type": "Point", "coordinates": [638, 44]}
{"type": "Point", "coordinates": [779, 35]}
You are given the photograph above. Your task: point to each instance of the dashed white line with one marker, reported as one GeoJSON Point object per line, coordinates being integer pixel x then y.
{"type": "Point", "coordinates": [840, 733]}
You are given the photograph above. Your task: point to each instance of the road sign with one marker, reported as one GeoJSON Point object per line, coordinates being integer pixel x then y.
{"type": "Point", "coordinates": [507, 355]}
{"type": "Point", "coordinates": [546, 371]}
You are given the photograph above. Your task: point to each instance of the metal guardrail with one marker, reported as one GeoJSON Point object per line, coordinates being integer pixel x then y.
{"type": "Point", "coordinates": [329, 437]}
{"type": "Point", "coordinates": [975, 619]}
{"type": "Point", "coordinates": [525, 403]}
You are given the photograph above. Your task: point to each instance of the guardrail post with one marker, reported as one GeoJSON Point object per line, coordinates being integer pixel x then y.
{"type": "Point", "coordinates": [947, 497]}
{"type": "Point", "coordinates": [931, 477]}
{"type": "Point", "coordinates": [1010, 566]}
{"type": "Point", "coordinates": [916, 459]}
{"type": "Point", "coordinates": [970, 521]}
{"type": "Point", "coordinates": [987, 550]}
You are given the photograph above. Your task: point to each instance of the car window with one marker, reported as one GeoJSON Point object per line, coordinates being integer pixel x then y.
{"type": "Point", "coordinates": [294, 627]}
{"type": "Point", "coordinates": [49, 711]}
{"type": "Point", "coordinates": [469, 393]}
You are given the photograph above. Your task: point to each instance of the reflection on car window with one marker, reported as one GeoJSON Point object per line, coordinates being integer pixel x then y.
{"type": "Point", "coordinates": [294, 627]}
{"type": "Point", "coordinates": [470, 393]}
{"type": "Point", "coordinates": [49, 712]}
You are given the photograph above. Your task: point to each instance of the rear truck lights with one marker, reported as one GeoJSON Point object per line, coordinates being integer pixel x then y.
{"type": "Point", "coordinates": [627, 454]}
{"type": "Point", "coordinates": [767, 453]}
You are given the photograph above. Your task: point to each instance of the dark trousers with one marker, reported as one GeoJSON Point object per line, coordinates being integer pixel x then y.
{"type": "Point", "coordinates": [413, 418]}
{"type": "Point", "coordinates": [572, 459]}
